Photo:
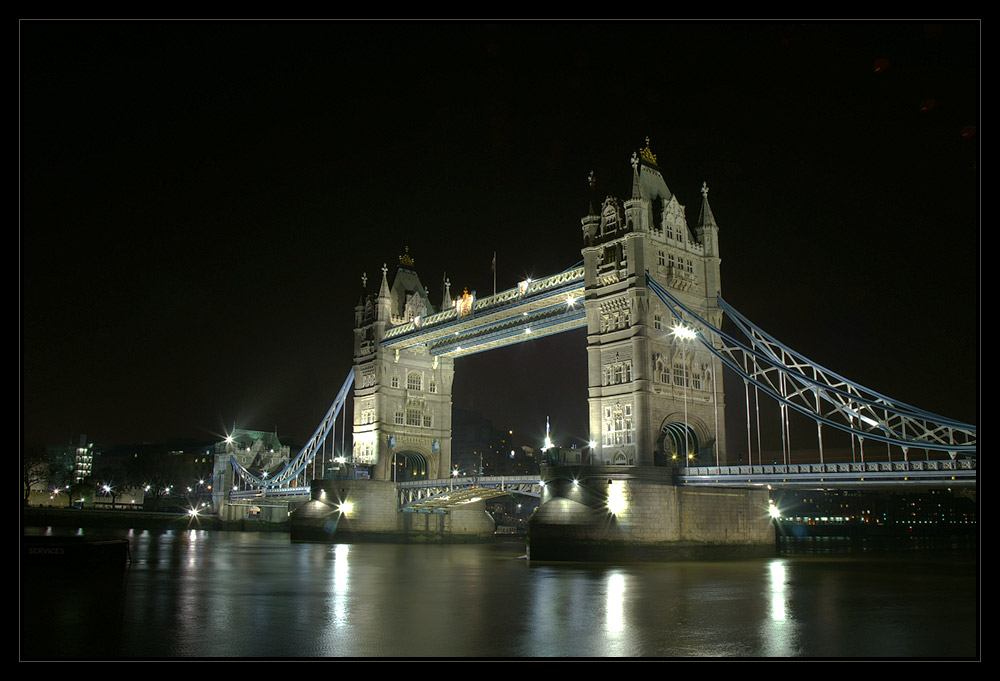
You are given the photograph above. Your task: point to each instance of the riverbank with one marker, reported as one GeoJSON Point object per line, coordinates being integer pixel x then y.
{"type": "Point", "coordinates": [147, 520]}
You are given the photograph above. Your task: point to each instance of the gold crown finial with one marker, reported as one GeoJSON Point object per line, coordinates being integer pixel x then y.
{"type": "Point", "coordinates": [405, 259]}
{"type": "Point", "coordinates": [648, 155]}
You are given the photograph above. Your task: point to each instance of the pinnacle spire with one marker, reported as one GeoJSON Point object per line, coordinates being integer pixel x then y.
{"type": "Point", "coordinates": [636, 186]}
{"type": "Point", "coordinates": [383, 291]}
{"type": "Point", "coordinates": [446, 301]}
{"type": "Point", "coordinates": [592, 183]}
{"type": "Point", "coordinates": [705, 217]}
{"type": "Point", "coordinates": [364, 289]}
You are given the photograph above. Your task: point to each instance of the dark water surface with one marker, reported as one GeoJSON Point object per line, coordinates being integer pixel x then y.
{"type": "Point", "coordinates": [197, 594]}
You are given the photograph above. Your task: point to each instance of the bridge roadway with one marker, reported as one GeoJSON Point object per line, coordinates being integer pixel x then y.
{"type": "Point", "coordinates": [439, 496]}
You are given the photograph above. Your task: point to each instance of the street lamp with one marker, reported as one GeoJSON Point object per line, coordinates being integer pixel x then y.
{"type": "Point", "coordinates": [685, 333]}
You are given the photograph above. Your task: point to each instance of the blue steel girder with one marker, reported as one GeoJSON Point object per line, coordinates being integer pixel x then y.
{"type": "Point", "coordinates": [829, 399]}
{"type": "Point", "coordinates": [546, 306]}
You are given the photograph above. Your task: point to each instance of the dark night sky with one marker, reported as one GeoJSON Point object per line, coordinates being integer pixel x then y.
{"type": "Point", "coordinates": [199, 200]}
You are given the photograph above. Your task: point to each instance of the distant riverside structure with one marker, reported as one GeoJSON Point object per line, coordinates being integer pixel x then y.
{"type": "Point", "coordinates": [83, 460]}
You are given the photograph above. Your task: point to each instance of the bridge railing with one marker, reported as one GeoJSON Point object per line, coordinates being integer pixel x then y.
{"type": "Point", "coordinates": [870, 473]}
{"type": "Point", "coordinates": [853, 467]}
{"type": "Point", "coordinates": [269, 493]}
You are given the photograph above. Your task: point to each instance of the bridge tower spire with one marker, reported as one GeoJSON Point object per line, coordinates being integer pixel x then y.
{"type": "Point", "coordinates": [653, 397]}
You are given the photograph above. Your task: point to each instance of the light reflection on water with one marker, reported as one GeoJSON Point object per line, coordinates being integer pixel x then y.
{"type": "Point", "coordinates": [225, 594]}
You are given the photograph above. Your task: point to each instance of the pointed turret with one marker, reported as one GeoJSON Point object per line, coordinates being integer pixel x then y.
{"type": "Point", "coordinates": [359, 309]}
{"type": "Point", "coordinates": [383, 303]}
{"type": "Point", "coordinates": [446, 301]}
{"type": "Point", "coordinates": [636, 186]}
{"type": "Point", "coordinates": [706, 228]}
{"type": "Point", "coordinates": [705, 217]}
{"type": "Point", "coordinates": [592, 222]}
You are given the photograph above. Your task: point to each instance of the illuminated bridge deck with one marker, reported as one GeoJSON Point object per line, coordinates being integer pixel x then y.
{"type": "Point", "coordinates": [537, 308]}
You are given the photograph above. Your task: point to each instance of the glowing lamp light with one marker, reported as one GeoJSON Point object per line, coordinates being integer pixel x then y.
{"type": "Point", "coordinates": [616, 498]}
{"type": "Point", "coordinates": [684, 332]}
{"type": "Point", "coordinates": [772, 510]}
{"type": "Point", "coordinates": [346, 508]}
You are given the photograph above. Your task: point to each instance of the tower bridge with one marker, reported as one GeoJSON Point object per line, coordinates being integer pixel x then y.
{"type": "Point", "coordinates": [648, 291]}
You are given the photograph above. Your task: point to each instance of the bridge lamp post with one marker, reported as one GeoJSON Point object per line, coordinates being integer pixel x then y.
{"type": "Point", "coordinates": [685, 334]}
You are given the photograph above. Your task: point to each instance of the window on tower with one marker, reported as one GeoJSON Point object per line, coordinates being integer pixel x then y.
{"type": "Point", "coordinates": [413, 380]}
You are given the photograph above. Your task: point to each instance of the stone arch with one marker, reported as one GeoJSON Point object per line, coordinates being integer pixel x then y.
{"type": "Point", "coordinates": [674, 436]}
{"type": "Point", "coordinates": [408, 464]}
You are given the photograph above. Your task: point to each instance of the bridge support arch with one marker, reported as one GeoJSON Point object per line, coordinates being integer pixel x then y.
{"type": "Point", "coordinates": [408, 464]}
{"type": "Point", "coordinates": [684, 442]}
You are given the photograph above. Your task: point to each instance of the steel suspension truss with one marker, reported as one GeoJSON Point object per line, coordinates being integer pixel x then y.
{"type": "Point", "coordinates": [822, 395]}
{"type": "Point", "coordinates": [307, 454]}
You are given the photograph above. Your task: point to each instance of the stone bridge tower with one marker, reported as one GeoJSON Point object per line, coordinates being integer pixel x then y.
{"type": "Point", "coordinates": [402, 398]}
{"type": "Point", "coordinates": [653, 396]}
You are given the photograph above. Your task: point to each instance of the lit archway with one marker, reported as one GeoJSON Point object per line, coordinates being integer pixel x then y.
{"type": "Point", "coordinates": [678, 442]}
{"type": "Point", "coordinates": [408, 465]}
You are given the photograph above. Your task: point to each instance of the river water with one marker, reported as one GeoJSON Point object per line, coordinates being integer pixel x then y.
{"type": "Point", "coordinates": [214, 594]}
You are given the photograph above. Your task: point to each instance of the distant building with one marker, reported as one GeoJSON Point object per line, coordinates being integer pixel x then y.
{"type": "Point", "coordinates": [83, 460]}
